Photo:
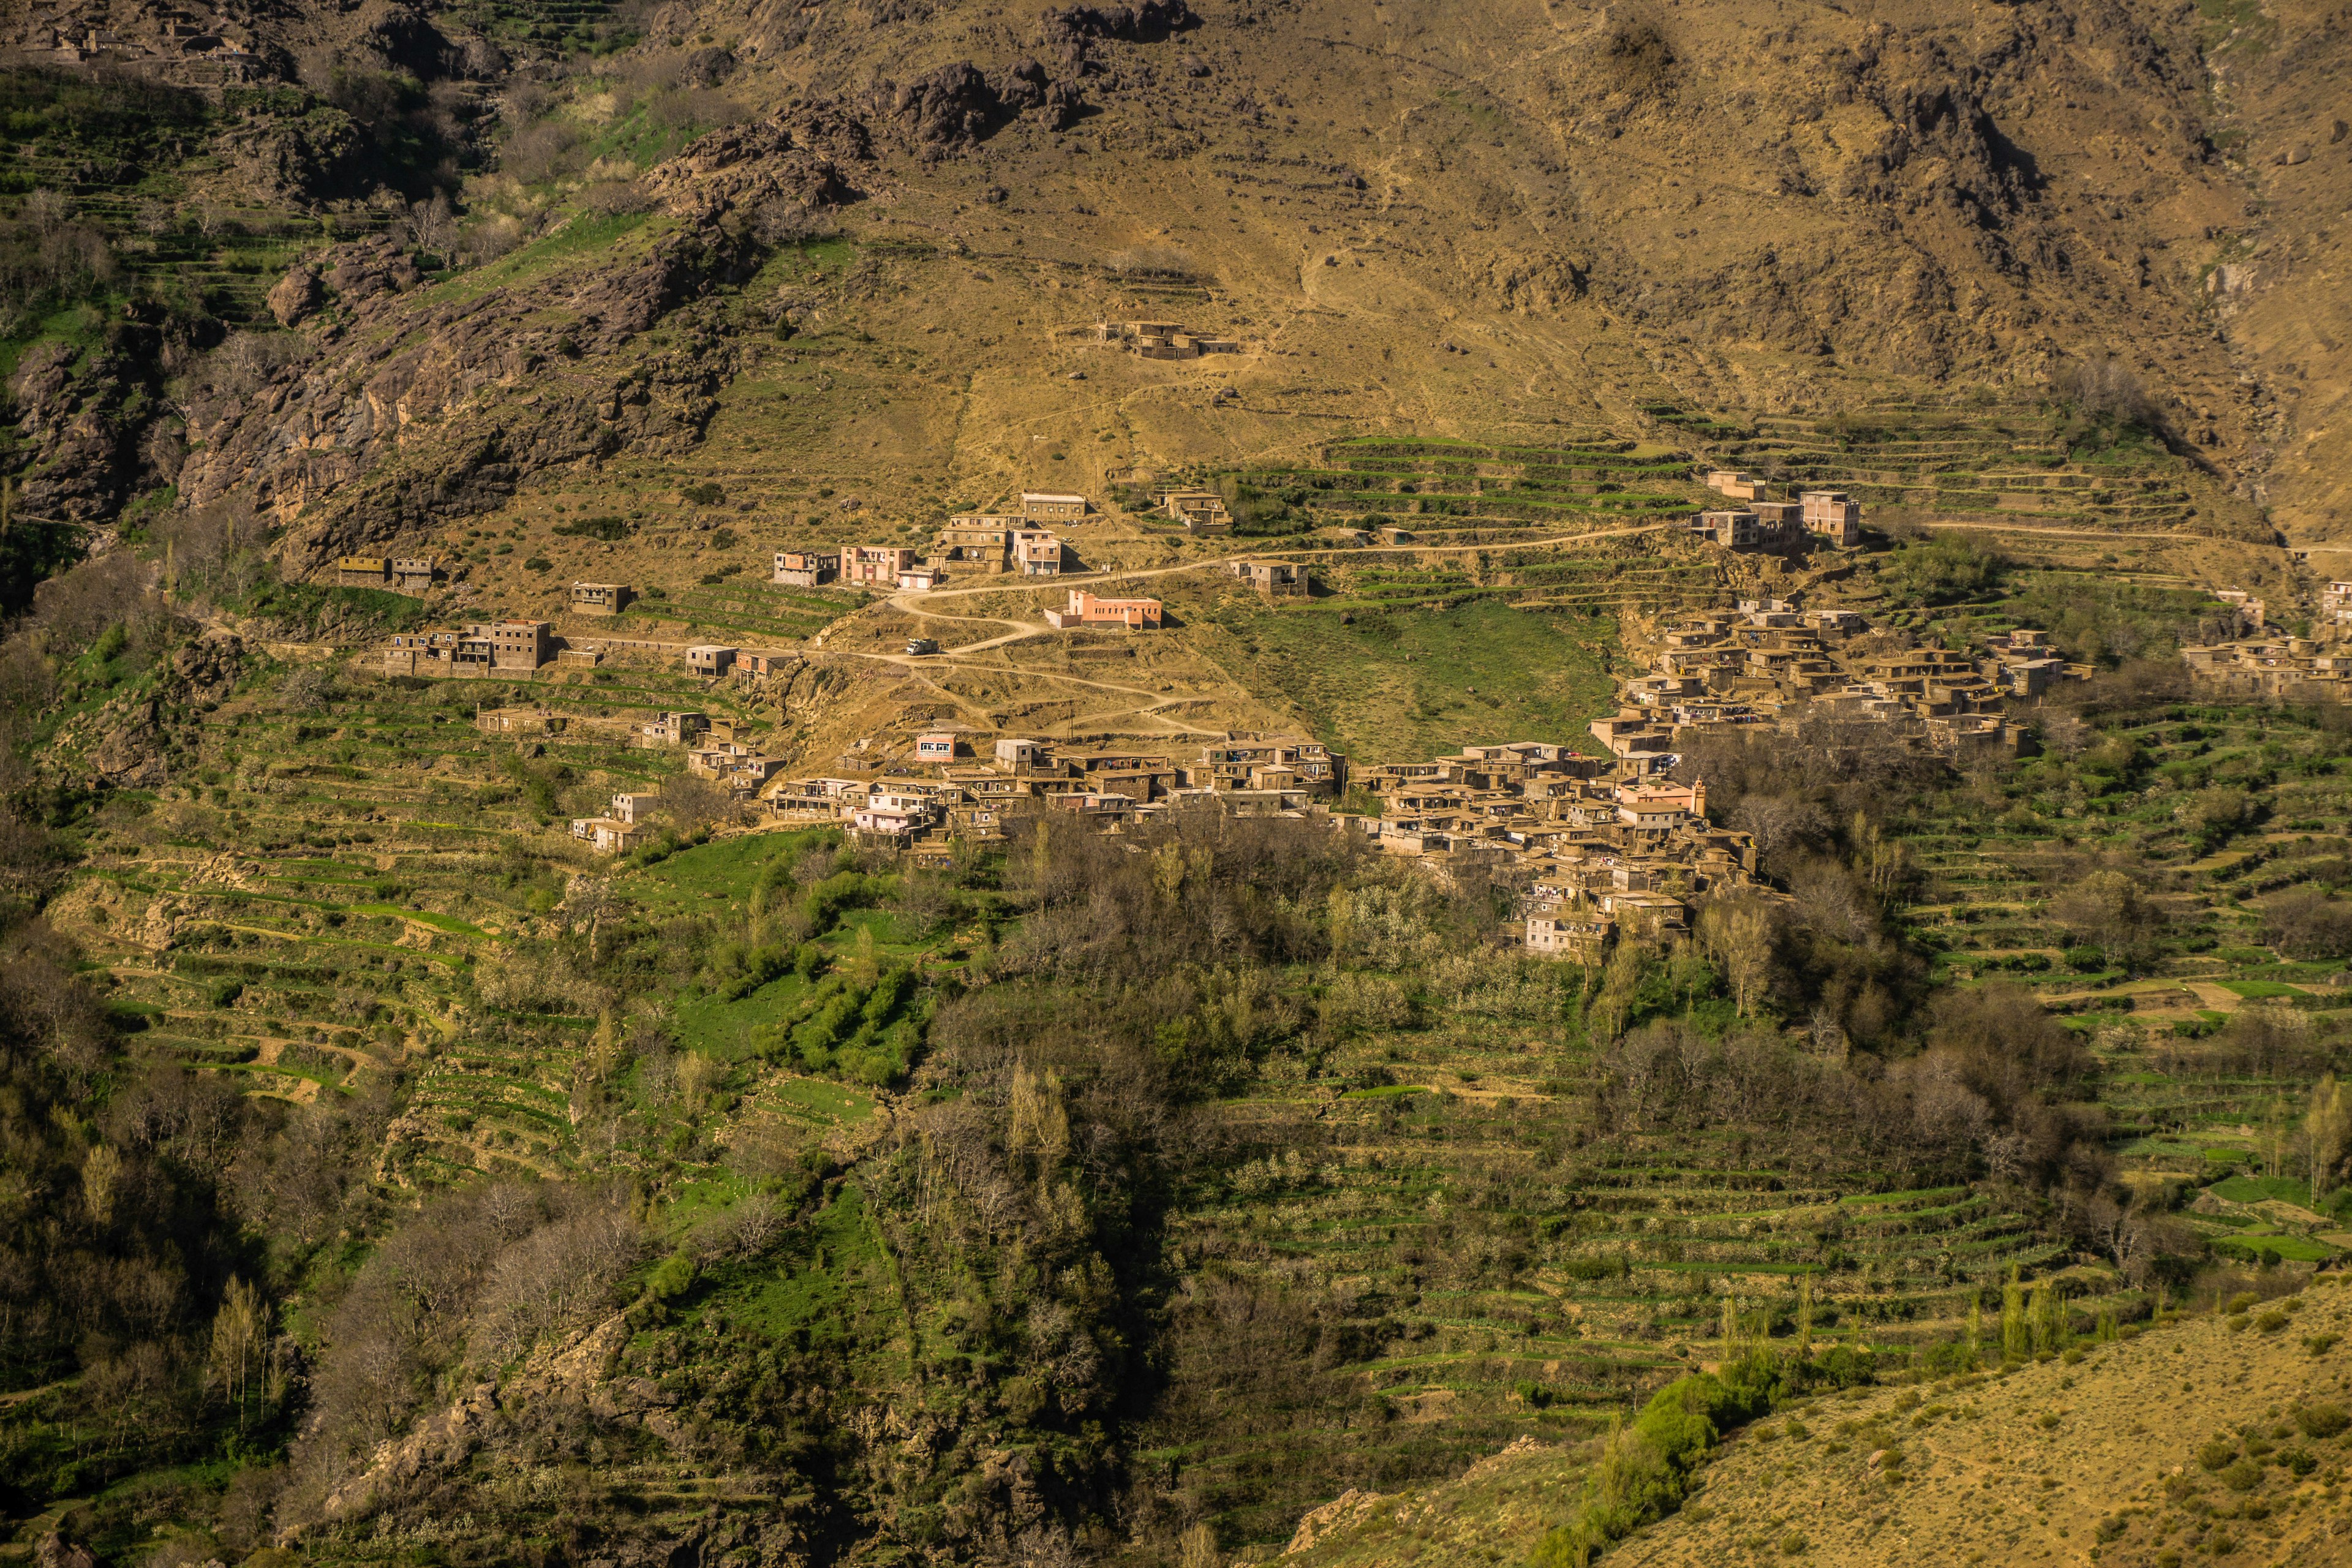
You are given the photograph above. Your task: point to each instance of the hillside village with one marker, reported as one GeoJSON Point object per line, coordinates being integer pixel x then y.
{"type": "Point", "coordinates": [1603, 841]}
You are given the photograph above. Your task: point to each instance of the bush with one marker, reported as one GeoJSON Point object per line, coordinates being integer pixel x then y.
{"type": "Point", "coordinates": [2272, 1321]}
{"type": "Point", "coordinates": [2322, 1420]}
{"type": "Point", "coordinates": [2243, 1477]}
{"type": "Point", "coordinates": [673, 1277]}
{"type": "Point", "coordinates": [2217, 1454]}
{"type": "Point", "coordinates": [2085, 960]}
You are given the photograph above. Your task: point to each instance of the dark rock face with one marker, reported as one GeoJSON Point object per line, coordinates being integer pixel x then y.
{"type": "Point", "coordinates": [69, 415]}
{"type": "Point", "coordinates": [959, 105]}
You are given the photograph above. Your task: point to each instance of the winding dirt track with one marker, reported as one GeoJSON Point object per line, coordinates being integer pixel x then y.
{"type": "Point", "coordinates": [1149, 710]}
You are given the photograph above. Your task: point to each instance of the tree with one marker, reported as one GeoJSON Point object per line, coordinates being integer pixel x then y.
{"type": "Point", "coordinates": [240, 1335]}
{"type": "Point", "coordinates": [2109, 909]}
{"type": "Point", "coordinates": [1738, 936]}
{"type": "Point", "coordinates": [2328, 1134]}
{"type": "Point", "coordinates": [2016, 1339]}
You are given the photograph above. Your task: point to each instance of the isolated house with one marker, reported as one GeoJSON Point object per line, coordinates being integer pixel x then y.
{"type": "Point", "coordinates": [1085, 610]}
{"type": "Point", "coordinates": [362, 571]}
{"type": "Point", "coordinates": [709, 659]}
{"type": "Point", "coordinates": [1273, 579]}
{"type": "Point", "coordinates": [413, 573]}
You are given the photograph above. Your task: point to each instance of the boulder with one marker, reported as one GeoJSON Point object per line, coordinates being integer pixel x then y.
{"type": "Point", "coordinates": [296, 296]}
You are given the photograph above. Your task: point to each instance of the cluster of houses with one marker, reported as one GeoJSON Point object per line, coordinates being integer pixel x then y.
{"type": "Point", "coordinates": [1771, 660]}
{"type": "Point", "coordinates": [982, 544]}
{"type": "Point", "coordinates": [1830, 516]}
{"type": "Point", "coordinates": [2269, 664]}
{"type": "Point", "coordinates": [1163, 340]}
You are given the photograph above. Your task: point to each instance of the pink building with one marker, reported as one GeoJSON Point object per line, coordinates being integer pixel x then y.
{"type": "Point", "coordinates": [1085, 610]}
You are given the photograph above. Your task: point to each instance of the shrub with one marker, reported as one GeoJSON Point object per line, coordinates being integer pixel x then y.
{"type": "Point", "coordinates": [2242, 1300]}
{"type": "Point", "coordinates": [2047, 1419]}
{"type": "Point", "coordinates": [2272, 1321]}
{"type": "Point", "coordinates": [2319, 1344]}
{"type": "Point", "coordinates": [2322, 1420]}
{"type": "Point", "coordinates": [2243, 1477]}
{"type": "Point", "coordinates": [2300, 1462]}
{"type": "Point", "coordinates": [2217, 1454]}
{"type": "Point", "coordinates": [671, 1279]}
{"type": "Point", "coordinates": [2239, 1323]}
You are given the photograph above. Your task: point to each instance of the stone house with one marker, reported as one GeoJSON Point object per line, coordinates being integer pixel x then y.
{"type": "Point", "coordinates": [709, 659]}
{"type": "Point", "coordinates": [362, 571]}
{"type": "Point", "coordinates": [414, 573]}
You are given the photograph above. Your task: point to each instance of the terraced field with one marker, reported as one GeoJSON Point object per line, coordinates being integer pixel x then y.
{"type": "Point", "coordinates": [2030, 466]}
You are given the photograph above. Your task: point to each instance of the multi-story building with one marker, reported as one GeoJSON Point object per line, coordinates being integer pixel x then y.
{"type": "Point", "coordinates": [807, 568]}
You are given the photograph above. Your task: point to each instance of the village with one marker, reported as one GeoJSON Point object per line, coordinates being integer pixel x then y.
{"type": "Point", "coordinates": [1604, 842]}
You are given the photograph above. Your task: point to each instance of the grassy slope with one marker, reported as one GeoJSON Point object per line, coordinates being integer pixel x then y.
{"type": "Point", "coordinates": [2070, 1458]}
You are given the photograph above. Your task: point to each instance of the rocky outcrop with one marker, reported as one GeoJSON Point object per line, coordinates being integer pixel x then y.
{"type": "Point", "coordinates": [295, 297]}
{"type": "Point", "coordinates": [958, 105]}
{"type": "Point", "coordinates": [419, 407]}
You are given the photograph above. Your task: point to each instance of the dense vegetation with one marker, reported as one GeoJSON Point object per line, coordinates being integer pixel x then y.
{"type": "Point", "coordinates": [1096, 1193]}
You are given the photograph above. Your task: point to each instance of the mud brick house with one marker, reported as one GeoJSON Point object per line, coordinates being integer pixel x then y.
{"type": "Point", "coordinates": [600, 598]}
{"type": "Point", "coordinates": [1272, 579]}
{"type": "Point", "coordinates": [1049, 506]}
{"type": "Point", "coordinates": [607, 836]}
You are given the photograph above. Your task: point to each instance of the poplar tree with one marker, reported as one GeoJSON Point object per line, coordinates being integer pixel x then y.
{"type": "Point", "coordinates": [2016, 1342]}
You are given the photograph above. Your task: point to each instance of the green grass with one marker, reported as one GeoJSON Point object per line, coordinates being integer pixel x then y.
{"type": "Point", "coordinates": [728, 867]}
{"type": "Point", "coordinates": [726, 1029]}
{"type": "Point", "coordinates": [2260, 1189]}
{"type": "Point", "coordinates": [1412, 684]}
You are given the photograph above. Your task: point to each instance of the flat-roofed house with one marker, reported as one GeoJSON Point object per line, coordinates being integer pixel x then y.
{"type": "Point", "coordinates": [518, 645]}
{"type": "Point", "coordinates": [1272, 579]}
{"type": "Point", "coordinates": [362, 571]}
{"type": "Point", "coordinates": [609, 836]}
{"type": "Point", "coordinates": [1037, 553]}
{"type": "Point", "coordinates": [875, 564]}
{"type": "Point", "coordinates": [807, 568]}
{"type": "Point", "coordinates": [1085, 610]}
{"type": "Point", "coordinates": [1052, 505]}
{"type": "Point", "coordinates": [413, 573]}
{"type": "Point", "coordinates": [634, 805]}
{"type": "Point", "coordinates": [709, 659]}
{"type": "Point", "coordinates": [1831, 515]}
{"type": "Point", "coordinates": [600, 598]}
